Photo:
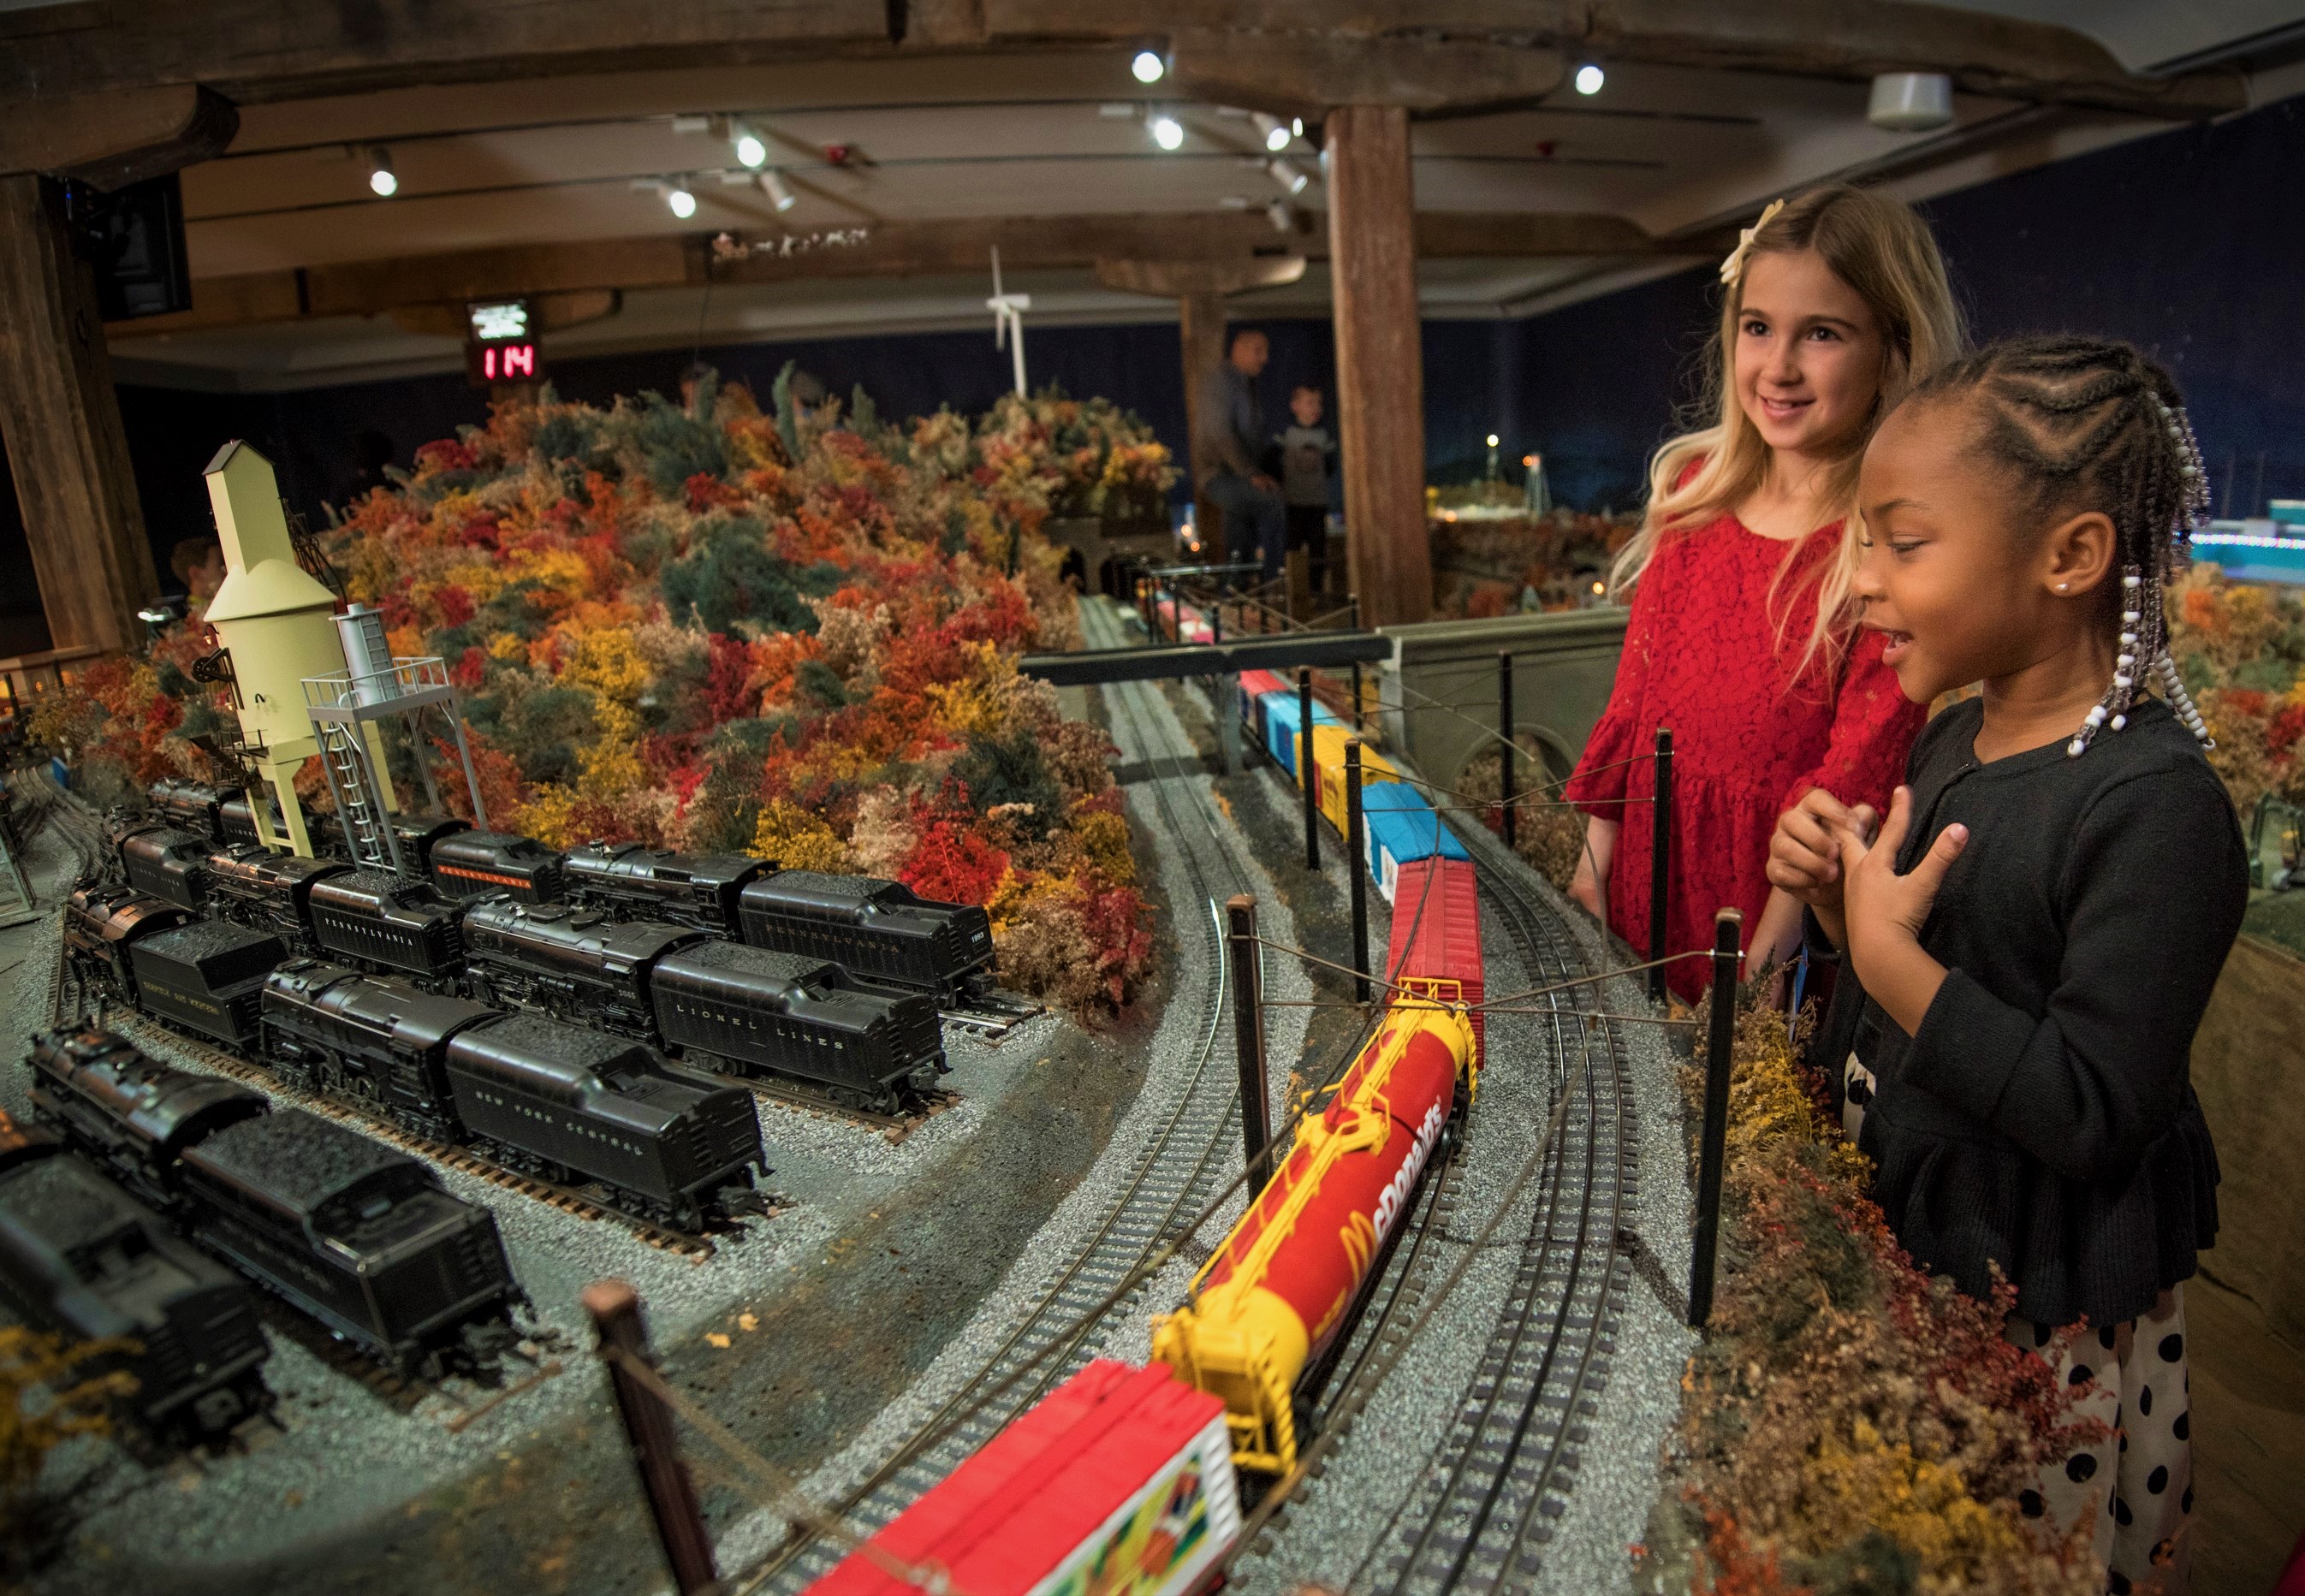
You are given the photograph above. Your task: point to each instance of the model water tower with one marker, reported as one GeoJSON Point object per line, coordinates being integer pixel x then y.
{"type": "Point", "coordinates": [277, 627]}
{"type": "Point", "coordinates": [350, 708]}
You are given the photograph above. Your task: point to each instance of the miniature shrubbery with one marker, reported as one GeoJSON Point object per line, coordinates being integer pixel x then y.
{"type": "Point", "coordinates": [706, 627]}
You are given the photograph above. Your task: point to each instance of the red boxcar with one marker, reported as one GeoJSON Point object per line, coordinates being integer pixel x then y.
{"type": "Point", "coordinates": [1436, 937]}
{"type": "Point", "coordinates": [1253, 686]}
{"type": "Point", "coordinates": [1120, 1481]}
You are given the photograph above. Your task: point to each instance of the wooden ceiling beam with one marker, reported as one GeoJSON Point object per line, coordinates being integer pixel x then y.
{"type": "Point", "coordinates": [110, 140]}
{"type": "Point", "coordinates": [258, 51]}
{"type": "Point", "coordinates": [1230, 241]}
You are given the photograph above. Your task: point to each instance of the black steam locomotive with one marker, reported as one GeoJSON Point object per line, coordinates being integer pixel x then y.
{"type": "Point", "coordinates": [216, 980]}
{"type": "Point", "coordinates": [626, 881]}
{"type": "Point", "coordinates": [757, 1011]}
{"type": "Point", "coordinates": [882, 932]}
{"type": "Point", "coordinates": [760, 1011]}
{"type": "Point", "coordinates": [362, 1238]}
{"type": "Point", "coordinates": [82, 1258]}
{"type": "Point", "coordinates": [560, 1101]}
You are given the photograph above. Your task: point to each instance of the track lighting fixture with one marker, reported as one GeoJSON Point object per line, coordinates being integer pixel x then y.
{"type": "Point", "coordinates": [1273, 131]}
{"type": "Point", "coordinates": [1149, 67]}
{"type": "Point", "coordinates": [1287, 174]}
{"type": "Point", "coordinates": [381, 180]}
{"type": "Point", "coordinates": [682, 203]}
{"type": "Point", "coordinates": [1167, 132]}
{"type": "Point", "coordinates": [752, 150]}
{"type": "Point", "coordinates": [773, 182]}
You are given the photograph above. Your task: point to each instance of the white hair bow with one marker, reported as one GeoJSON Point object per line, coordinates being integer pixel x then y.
{"type": "Point", "coordinates": [1733, 268]}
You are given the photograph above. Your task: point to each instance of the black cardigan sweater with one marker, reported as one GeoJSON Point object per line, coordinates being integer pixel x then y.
{"type": "Point", "coordinates": [2044, 1119]}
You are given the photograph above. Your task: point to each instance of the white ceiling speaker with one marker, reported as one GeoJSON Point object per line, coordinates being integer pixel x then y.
{"type": "Point", "coordinates": [1910, 102]}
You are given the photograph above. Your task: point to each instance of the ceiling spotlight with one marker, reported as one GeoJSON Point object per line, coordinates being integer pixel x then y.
{"type": "Point", "coordinates": [1280, 216]}
{"type": "Point", "coordinates": [751, 151]}
{"type": "Point", "coordinates": [1589, 79]}
{"type": "Point", "coordinates": [1493, 440]}
{"type": "Point", "coordinates": [1148, 66]}
{"type": "Point", "coordinates": [1275, 131]}
{"type": "Point", "coordinates": [773, 182]}
{"type": "Point", "coordinates": [381, 183]}
{"type": "Point", "coordinates": [1297, 127]}
{"type": "Point", "coordinates": [1167, 132]}
{"type": "Point", "coordinates": [682, 203]}
{"type": "Point", "coordinates": [1910, 102]}
{"type": "Point", "coordinates": [1288, 175]}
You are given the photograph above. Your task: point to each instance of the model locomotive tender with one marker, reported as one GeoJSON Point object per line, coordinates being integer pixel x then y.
{"type": "Point", "coordinates": [362, 1238]}
{"type": "Point", "coordinates": [83, 1259]}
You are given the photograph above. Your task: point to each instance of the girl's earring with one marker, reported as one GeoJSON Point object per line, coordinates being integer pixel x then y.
{"type": "Point", "coordinates": [2062, 586]}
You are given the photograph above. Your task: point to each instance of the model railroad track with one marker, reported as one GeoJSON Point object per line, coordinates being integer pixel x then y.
{"type": "Point", "coordinates": [1484, 1515]}
{"type": "Point", "coordinates": [819, 1104]}
{"type": "Point", "coordinates": [1183, 1166]}
{"type": "Point", "coordinates": [993, 1014]}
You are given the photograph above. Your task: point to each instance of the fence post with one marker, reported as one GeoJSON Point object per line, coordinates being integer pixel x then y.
{"type": "Point", "coordinates": [1248, 1040]}
{"type": "Point", "coordinates": [1305, 777]}
{"type": "Point", "coordinates": [615, 1308]}
{"type": "Point", "coordinates": [1357, 868]}
{"type": "Point", "coordinates": [1728, 931]}
{"type": "Point", "coordinates": [1660, 858]}
{"type": "Point", "coordinates": [1216, 618]}
{"type": "Point", "coordinates": [1176, 610]}
{"type": "Point", "coordinates": [1360, 721]}
{"type": "Point", "coordinates": [1511, 748]}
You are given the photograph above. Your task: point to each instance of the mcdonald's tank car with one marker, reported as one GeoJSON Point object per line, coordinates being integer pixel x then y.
{"type": "Point", "coordinates": [795, 1016]}
{"type": "Point", "coordinates": [577, 963]}
{"type": "Point", "coordinates": [250, 885]}
{"type": "Point", "coordinates": [83, 1259]}
{"type": "Point", "coordinates": [206, 977]}
{"type": "Point", "coordinates": [376, 919]}
{"type": "Point", "coordinates": [170, 864]}
{"type": "Point", "coordinates": [1282, 1288]}
{"type": "Point", "coordinates": [131, 1113]}
{"type": "Point", "coordinates": [466, 864]}
{"type": "Point", "coordinates": [628, 881]}
{"type": "Point", "coordinates": [879, 931]}
{"type": "Point", "coordinates": [101, 923]}
{"type": "Point", "coordinates": [560, 1098]}
{"type": "Point", "coordinates": [380, 1041]}
{"type": "Point", "coordinates": [362, 1238]}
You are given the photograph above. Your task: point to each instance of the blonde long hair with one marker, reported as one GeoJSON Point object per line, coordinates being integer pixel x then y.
{"type": "Point", "coordinates": [1884, 252]}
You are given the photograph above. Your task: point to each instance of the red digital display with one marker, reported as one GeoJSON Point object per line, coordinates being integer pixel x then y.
{"type": "Point", "coordinates": [500, 343]}
{"type": "Point", "coordinates": [508, 362]}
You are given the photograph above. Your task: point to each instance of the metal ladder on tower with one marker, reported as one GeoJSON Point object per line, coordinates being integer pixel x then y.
{"type": "Point", "coordinates": [345, 761]}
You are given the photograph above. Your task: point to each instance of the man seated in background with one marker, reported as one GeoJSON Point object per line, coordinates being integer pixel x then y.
{"type": "Point", "coordinates": [1231, 436]}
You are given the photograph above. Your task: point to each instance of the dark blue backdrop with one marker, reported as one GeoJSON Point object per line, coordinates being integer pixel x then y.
{"type": "Point", "coordinates": [2191, 244]}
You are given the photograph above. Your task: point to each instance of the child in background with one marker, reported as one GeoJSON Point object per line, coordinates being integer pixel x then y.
{"type": "Point", "coordinates": [2014, 1048]}
{"type": "Point", "coordinates": [1309, 459]}
{"type": "Point", "coordinates": [1742, 637]}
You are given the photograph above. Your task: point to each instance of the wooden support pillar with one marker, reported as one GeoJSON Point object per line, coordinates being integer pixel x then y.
{"type": "Point", "coordinates": [1200, 326]}
{"type": "Point", "coordinates": [1380, 370]}
{"type": "Point", "coordinates": [61, 422]}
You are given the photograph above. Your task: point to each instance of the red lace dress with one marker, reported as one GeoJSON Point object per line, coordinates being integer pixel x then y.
{"type": "Point", "coordinates": [1703, 657]}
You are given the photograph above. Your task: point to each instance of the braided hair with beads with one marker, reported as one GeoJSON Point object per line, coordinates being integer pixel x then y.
{"type": "Point", "coordinates": [2091, 424]}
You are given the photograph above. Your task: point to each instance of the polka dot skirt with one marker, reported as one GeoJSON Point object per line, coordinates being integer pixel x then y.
{"type": "Point", "coordinates": [2139, 1481]}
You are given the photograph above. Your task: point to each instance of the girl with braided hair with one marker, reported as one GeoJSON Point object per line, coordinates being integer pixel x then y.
{"type": "Point", "coordinates": [1742, 638]}
{"type": "Point", "coordinates": [2035, 931]}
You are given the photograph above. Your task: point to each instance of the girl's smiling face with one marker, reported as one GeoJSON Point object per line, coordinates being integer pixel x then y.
{"type": "Point", "coordinates": [1964, 592]}
{"type": "Point", "coordinates": [1810, 354]}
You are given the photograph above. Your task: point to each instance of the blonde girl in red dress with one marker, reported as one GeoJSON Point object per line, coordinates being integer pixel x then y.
{"type": "Point", "coordinates": [1742, 637]}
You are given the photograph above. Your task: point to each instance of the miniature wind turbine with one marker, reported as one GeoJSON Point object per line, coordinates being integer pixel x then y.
{"type": "Point", "coordinates": [1009, 320]}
